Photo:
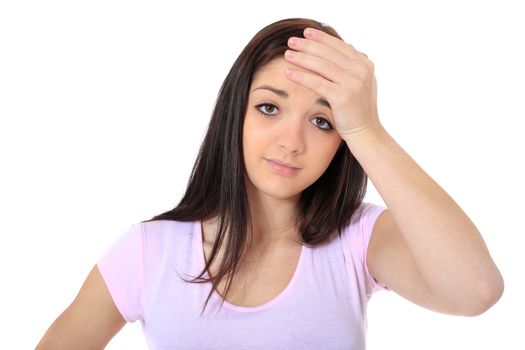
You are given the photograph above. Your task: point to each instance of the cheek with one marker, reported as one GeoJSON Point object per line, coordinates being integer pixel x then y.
{"type": "Point", "coordinates": [251, 139]}
{"type": "Point", "coordinates": [324, 157]}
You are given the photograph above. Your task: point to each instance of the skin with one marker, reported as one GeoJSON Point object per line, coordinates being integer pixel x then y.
{"type": "Point", "coordinates": [424, 246]}
{"type": "Point", "coordinates": [292, 130]}
{"type": "Point", "coordinates": [331, 70]}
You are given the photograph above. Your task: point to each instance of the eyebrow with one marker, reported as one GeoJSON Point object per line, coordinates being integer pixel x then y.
{"type": "Point", "coordinates": [284, 94]}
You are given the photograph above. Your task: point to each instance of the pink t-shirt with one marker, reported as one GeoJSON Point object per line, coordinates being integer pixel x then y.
{"type": "Point", "coordinates": [323, 306]}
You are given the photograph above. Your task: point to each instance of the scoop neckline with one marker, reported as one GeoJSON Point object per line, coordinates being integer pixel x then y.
{"type": "Point", "coordinates": [287, 290]}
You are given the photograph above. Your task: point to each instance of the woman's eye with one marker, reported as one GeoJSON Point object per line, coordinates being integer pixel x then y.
{"type": "Point", "coordinates": [323, 121]}
{"type": "Point", "coordinates": [267, 109]}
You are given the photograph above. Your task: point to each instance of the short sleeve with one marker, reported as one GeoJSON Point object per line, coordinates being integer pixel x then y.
{"type": "Point", "coordinates": [121, 267]}
{"type": "Point", "coordinates": [369, 217]}
{"type": "Point", "coordinates": [355, 238]}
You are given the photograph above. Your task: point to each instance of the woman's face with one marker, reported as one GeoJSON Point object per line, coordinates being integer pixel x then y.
{"type": "Point", "coordinates": [288, 122]}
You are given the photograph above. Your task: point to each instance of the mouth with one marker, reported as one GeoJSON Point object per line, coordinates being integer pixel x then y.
{"type": "Point", "coordinates": [281, 169]}
{"type": "Point", "coordinates": [286, 164]}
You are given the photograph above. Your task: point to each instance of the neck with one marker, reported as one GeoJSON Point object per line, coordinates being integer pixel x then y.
{"type": "Point", "coordinates": [273, 220]}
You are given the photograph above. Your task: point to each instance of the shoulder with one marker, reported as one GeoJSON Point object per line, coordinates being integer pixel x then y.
{"type": "Point", "coordinates": [369, 210]}
{"type": "Point", "coordinates": [160, 227]}
{"type": "Point", "coordinates": [357, 233]}
{"type": "Point", "coordinates": [168, 233]}
{"type": "Point", "coordinates": [364, 217]}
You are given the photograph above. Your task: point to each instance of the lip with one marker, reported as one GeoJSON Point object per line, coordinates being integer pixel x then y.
{"type": "Point", "coordinates": [278, 168]}
{"type": "Point", "coordinates": [288, 165]}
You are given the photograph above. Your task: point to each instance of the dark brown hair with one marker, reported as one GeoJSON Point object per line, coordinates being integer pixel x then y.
{"type": "Point", "coordinates": [216, 187]}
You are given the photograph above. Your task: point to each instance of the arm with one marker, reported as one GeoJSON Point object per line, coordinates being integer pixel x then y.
{"type": "Point", "coordinates": [90, 322]}
{"type": "Point", "coordinates": [424, 244]}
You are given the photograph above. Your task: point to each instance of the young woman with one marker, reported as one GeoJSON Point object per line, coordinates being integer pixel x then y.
{"type": "Point", "coordinates": [273, 230]}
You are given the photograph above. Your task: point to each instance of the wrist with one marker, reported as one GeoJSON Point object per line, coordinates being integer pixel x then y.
{"type": "Point", "coordinates": [366, 134]}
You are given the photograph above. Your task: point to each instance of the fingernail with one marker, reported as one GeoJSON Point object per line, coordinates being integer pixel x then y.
{"type": "Point", "coordinates": [289, 54]}
{"type": "Point", "coordinates": [308, 32]}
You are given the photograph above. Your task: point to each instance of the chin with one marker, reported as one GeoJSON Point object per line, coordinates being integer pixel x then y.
{"type": "Point", "coordinates": [281, 196]}
{"type": "Point", "coordinates": [281, 193]}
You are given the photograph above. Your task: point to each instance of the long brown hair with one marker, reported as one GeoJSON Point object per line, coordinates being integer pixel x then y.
{"type": "Point", "coordinates": [216, 186]}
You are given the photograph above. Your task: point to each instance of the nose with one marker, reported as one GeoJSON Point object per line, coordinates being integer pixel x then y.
{"type": "Point", "coordinates": [291, 136]}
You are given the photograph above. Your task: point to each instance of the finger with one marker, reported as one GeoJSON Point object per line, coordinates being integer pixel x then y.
{"type": "Point", "coordinates": [319, 65]}
{"type": "Point", "coordinates": [320, 50]}
{"type": "Point", "coordinates": [320, 36]}
{"type": "Point", "coordinates": [312, 81]}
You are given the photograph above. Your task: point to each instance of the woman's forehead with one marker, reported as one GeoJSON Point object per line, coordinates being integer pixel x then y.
{"type": "Point", "coordinates": [272, 75]}
{"type": "Point", "coordinates": [274, 67]}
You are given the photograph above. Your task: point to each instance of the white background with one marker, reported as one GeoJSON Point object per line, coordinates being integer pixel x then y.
{"type": "Point", "coordinates": [104, 104]}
